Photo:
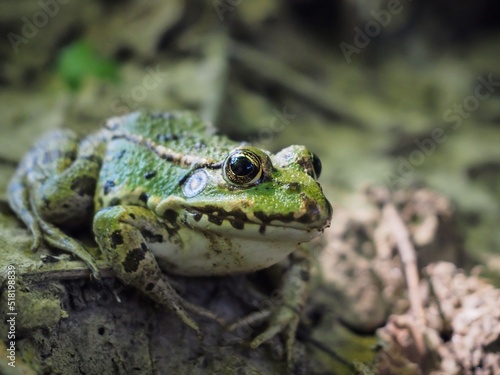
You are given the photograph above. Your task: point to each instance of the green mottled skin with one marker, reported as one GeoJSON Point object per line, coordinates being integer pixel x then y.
{"type": "Point", "coordinates": [157, 189]}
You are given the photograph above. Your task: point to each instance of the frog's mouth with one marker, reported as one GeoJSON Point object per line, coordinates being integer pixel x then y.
{"type": "Point", "coordinates": [293, 227]}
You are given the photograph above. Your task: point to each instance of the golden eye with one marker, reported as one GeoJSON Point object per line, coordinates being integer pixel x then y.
{"type": "Point", "coordinates": [242, 167]}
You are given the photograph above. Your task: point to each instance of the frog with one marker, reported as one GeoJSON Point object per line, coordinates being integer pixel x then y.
{"type": "Point", "coordinates": [164, 193]}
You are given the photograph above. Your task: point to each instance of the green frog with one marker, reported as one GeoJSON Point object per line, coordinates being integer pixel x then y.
{"type": "Point", "coordinates": [163, 192]}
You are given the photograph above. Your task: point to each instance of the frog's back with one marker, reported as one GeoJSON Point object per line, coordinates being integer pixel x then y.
{"type": "Point", "coordinates": [148, 154]}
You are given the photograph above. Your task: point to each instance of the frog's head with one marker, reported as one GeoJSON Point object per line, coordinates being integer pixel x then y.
{"type": "Point", "coordinates": [254, 194]}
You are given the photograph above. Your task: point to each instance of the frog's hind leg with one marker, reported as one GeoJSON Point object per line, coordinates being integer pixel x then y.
{"type": "Point", "coordinates": [53, 188]}
{"type": "Point", "coordinates": [125, 234]}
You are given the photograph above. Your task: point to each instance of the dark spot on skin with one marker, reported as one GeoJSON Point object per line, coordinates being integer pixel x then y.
{"type": "Point", "coordinates": [151, 237]}
{"type": "Point", "coordinates": [108, 186]}
{"type": "Point", "coordinates": [120, 155]}
{"type": "Point", "coordinates": [215, 219]}
{"type": "Point", "coordinates": [195, 214]}
{"type": "Point", "coordinates": [132, 216]}
{"type": "Point", "coordinates": [237, 224]}
{"type": "Point", "coordinates": [84, 185]}
{"type": "Point", "coordinates": [116, 238]}
{"type": "Point", "coordinates": [157, 238]}
{"type": "Point", "coordinates": [71, 155]}
{"type": "Point", "coordinates": [133, 259]}
{"type": "Point", "coordinates": [216, 215]}
{"type": "Point", "coordinates": [115, 202]}
{"type": "Point", "coordinates": [149, 175]}
{"type": "Point", "coordinates": [170, 215]}
{"type": "Point", "coordinates": [150, 287]}
{"type": "Point", "coordinates": [266, 219]}
{"type": "Point", "coordinates": [167, 137]}
{"type": "Point", "coordinates": [144, 197]}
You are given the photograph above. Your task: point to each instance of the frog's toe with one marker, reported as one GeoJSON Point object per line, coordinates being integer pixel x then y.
{"type": "Point", "coordinates": [96, 273]}
{"type": "Point", "coordinates": [37, 242]}
{"type": "Point", "coordinates": [285, 321]}
{"type": "Point", "coordinates": [187, 320]}
{"type": "Point", "coordinates": [268, 334]}
{"type": "Point", "coordinates": [37, 238]}
{"type": "Point", "coordinates": [203, 312]}
{"type": "Point", "coordinates": [54, 237]}
{"type": "Point", "coordinates": [254, 319]}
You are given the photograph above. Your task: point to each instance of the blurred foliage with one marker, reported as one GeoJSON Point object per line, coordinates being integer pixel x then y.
{"type": "Point", "coordinates": [79, 61]}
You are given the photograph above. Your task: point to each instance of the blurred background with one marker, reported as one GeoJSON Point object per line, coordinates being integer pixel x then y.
{"type": "Point", "coordinates": [398, 94]}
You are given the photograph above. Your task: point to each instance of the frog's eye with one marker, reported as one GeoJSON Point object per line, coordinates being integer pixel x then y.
{"type": "Point", "coordinates": [316, 165]}
{"type": "Point", "coordinates": [242, 167]}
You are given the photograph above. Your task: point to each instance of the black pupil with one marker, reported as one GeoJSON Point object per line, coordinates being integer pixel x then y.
{"type": "Point", "coordinates": [241, 166]}
{"type": "Point", "coordinates": [316, 165]}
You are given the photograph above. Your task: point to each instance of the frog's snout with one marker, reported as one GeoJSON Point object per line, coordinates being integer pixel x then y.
{"type": "Point", "coordinates": [316, 214]}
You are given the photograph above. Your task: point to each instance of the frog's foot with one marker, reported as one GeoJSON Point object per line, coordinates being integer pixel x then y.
{"type": "Point", "coordinates": [284, 319]}
{"type": "Point", "coordinates": [284, 314]}
{"type": "Point", "coordinates": [163, 293]}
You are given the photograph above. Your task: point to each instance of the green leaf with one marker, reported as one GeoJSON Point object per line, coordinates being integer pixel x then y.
{"type": "Point", "coordinates": [79, 60]}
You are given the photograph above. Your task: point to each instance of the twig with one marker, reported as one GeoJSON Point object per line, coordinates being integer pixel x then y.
{"type": "Point", "coordinates": [67, 270]}
{"type": "Point", "coordinates": [408, 256]}
{"type": "Point", "coordinates": [409, 260]}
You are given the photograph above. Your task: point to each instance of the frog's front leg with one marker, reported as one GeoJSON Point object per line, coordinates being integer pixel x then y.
{"type": "Point", "coordinates": [124, 234]}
